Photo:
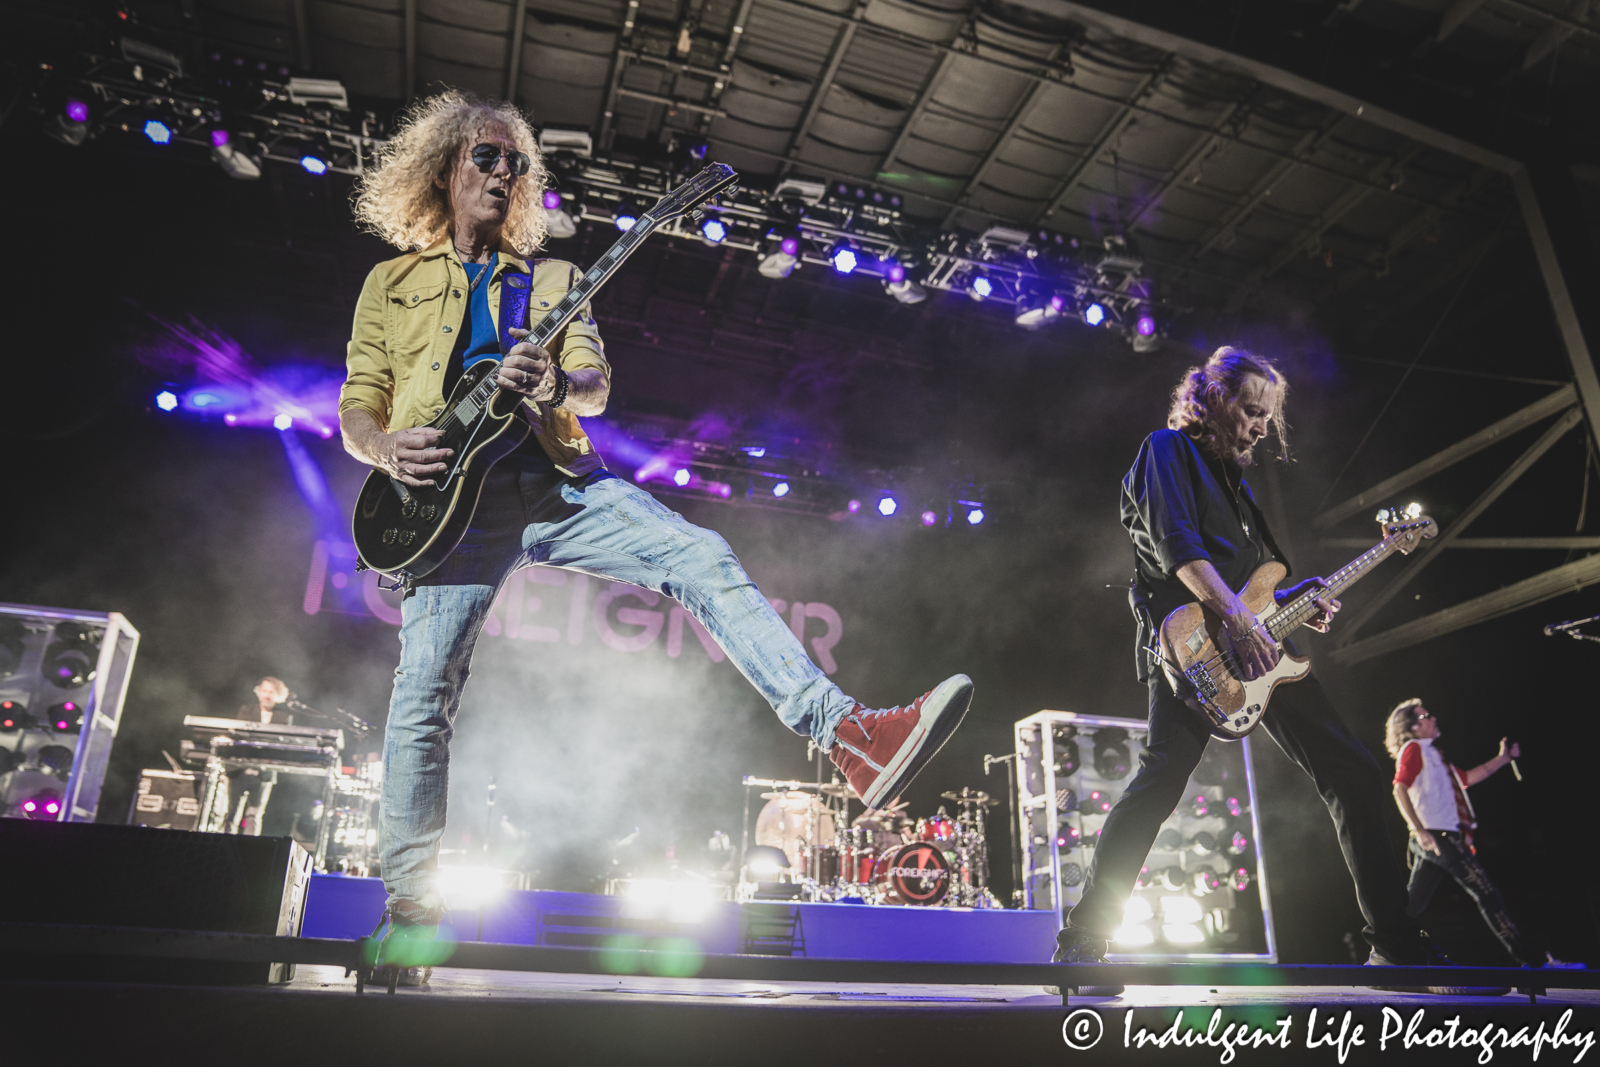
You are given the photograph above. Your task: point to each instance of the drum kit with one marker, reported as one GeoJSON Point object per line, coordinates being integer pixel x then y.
{"type": "Point", "coordinates": [879, 857]}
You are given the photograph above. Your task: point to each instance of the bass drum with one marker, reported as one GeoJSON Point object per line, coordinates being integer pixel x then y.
{"type": "Point", "coordinates": [917, 874]}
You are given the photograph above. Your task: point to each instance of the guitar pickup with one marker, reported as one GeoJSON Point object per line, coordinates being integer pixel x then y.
{"type": "Point", "coordinates": [466, 411]}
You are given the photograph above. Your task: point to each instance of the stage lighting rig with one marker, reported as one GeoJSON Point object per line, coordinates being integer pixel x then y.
{"type": "Point", "coordinates": [1112, 760]}
{"type": "Point", "coordinates": [69, 661]}
{"type": "Point", "coordinates": [65, 717]}
{"type": "Point", "coordinates": [56, 760]}
{"type": "Point", "coordinates": [13, 717]}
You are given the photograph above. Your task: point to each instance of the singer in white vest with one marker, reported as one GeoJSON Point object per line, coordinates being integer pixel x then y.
{"type": "Point", "coordinates": [1432, 795]}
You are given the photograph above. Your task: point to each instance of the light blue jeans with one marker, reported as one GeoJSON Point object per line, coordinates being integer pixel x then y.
{"type": "Point", "coordinates": [602, 526]}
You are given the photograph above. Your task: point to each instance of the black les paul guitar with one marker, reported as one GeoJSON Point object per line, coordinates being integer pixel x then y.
{"type": "Point", "coordinates": [405, 532]}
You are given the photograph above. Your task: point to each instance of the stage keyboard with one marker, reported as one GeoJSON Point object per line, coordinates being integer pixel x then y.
{"type": "Point", "coordinates": [267, 732]}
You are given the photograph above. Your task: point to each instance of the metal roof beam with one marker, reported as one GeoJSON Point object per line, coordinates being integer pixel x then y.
{"type": "Point", "coordinates": [1200, 150]}
{"type": "Point", "coordinates": [924, 98]}
{"type": "Point", "coordinates": [1552, 583]}
{"type": "Point", "coordinates": [1566, 256]}
{"type": "Point", "coordinates": [1110, 132]}
{"type": "Point", "coordinates": [830, 69]}
{"type": "Point", "coordinates": [408, 66]}
{"type": "Point", "coordinates": [1029, 67]}
{"type": "Point", "coordinates": [1430, 551]}
{"type": "Point", "coordinates": [1303, 150]}
{"type": "Point", "coordinates": [1341, 206]}
{"type": "Point", "coordinates": [1183, 27]}
{"type": "Point", "coordinates": [1541, 409]}
{"type": "Point", "coordinates": [1018, 118]}
{"type": "Point", "coordinates": [519, 23]}
{"type": "Point", "coordinates": [302, 34]}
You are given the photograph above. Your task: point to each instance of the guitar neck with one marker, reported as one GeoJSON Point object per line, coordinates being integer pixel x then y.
{"type": "Point", "coordinates": [1295, 613]}
{"type": "Point", "coordinates": [597, 276]}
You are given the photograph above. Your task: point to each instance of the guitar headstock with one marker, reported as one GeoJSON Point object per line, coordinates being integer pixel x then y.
{"type": "Point", "coordinates": [713, 179]}
{"type": "Point", "coordinates": [1408, 525]}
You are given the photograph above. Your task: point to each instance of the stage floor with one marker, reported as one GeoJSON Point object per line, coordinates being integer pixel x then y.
{"type": "Point", "coordinates": [538, 1018]}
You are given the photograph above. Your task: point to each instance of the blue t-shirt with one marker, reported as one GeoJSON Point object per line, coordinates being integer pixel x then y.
{"type": "Point", "coordinates": [476, 341]}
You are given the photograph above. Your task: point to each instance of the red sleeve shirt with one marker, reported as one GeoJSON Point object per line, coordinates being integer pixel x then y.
{"type": "Point", "coordinates": [1408, 766]}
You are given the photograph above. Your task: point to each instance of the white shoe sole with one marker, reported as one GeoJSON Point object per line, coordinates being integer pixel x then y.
{"type": "Point", "coordinates": [948, 703]}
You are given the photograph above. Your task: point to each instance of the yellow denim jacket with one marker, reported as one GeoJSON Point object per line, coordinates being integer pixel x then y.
{"type": "Point", "coordinates": [410, 314]}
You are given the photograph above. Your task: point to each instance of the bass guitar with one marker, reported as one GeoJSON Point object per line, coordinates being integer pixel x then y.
{"type": "Point", "coordinates": [405, 532]}
{"type": "Point", "coordinates": [1198, 656]}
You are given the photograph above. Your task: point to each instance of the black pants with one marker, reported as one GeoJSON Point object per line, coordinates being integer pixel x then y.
{"type": "Point", "coordinates": [1303, 723]}
{"type": "Point", "coordinates": [1458, 862]}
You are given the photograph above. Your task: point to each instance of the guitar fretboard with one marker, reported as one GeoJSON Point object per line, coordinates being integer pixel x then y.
{"type": "Point", "coordinates": [1303, 607]}
{"type": "Point", "coordinates": [546, 328]}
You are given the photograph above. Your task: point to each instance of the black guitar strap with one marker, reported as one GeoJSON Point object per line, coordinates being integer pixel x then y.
{"type": "Point", "coordinates": [515, 292]}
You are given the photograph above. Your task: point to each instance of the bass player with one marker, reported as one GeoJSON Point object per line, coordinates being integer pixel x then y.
{"type": "Point", "coordinates": [1198, 535]}
{"type": "Point", "coordinates": [458, 189]}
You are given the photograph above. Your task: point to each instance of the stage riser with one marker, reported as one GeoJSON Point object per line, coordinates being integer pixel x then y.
{"type": "Point", "coordinates": [340, 907]}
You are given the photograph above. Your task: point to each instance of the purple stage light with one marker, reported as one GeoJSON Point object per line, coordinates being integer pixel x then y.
{"type": "Point", "coordinates": [30, 806]}
{"type": "Point", "coordinates": [853, 507]}
{"type": "Point", "coordinates": [166, 400]}
{"type": "Point", "coordinates": [680, 477]}
{"type": "Point", "coordinates": [781, 489]}
{"type": "Point", "coordinates": [844, 259]}
{"type": "Point", "coordinates": [1094, 314]}
{"type": "Point", "coordinates": [314, 164]}
{"type": "Point", "coordinates": [789, 246]}
{"type": "Point", "coordinates": [230, 418]}
{"type": "Point", "coordinates": [929, 518]}
{"type": "Point", "coordinates": [552, 200]}
{"type": "Point", "coordinates": [982, 287]}
{"type": "Point", "coordinates": [887, 506]}
{"type": "Point", "coordinates": [1057, 302]}
{"type": "Point", "coordinates": [282, 420]}
{"type": "Point", "coordinates": [626, 221]}
{"type": "Point", "coordinates": [896, 273]}
{"type": "Point", "coordinates": [1146, 326]}
{"type": "Point", "coordinates": [77, 111]}
{"type": "Point", "coordinates": [219, 138]}
{"type": "Point", "coordinates": [158, 132]}
{"type": "Point", "coordinates": [714, 230]}
{"type": "Point", "coordinates": [974, 516]}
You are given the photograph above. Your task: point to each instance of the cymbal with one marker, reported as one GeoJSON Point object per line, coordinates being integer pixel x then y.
{"type": "Point", "coordinates": [839, 789]}
{"type": "Point", "coordinates": [971, 796]}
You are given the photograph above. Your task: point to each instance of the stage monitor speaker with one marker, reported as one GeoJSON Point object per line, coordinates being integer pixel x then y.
{"type": "Point", "coordinates": [99, 875]}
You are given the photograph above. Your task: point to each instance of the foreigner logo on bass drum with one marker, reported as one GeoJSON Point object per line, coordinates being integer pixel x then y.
{"type": "Point", "coordinates": [917, 873]}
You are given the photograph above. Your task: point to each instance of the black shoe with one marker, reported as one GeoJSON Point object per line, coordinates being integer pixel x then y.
{"type": "Point", "coordinates": [1435, 958]}
{"type": "Point", "coordinates": [405, 954]}
{"type": "Point", "coordinates": [1077, 946]}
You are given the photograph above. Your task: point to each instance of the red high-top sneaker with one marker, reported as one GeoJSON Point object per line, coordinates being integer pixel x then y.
{"type": "Point", "coordinates": [881, 750]}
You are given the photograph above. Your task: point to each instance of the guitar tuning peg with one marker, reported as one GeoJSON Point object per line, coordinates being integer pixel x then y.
{"type": "Point", "coordinates": [696, 214]}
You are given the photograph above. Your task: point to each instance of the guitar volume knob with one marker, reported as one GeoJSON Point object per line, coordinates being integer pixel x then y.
{"type": "Point", "coordinates": [409, 508]}
{"type": "Point", "coordinates": [428, 512]}
{"type": "Point", "coordinates": [389, 535]}
{"type": "Point", "coordinates": [408, 536]}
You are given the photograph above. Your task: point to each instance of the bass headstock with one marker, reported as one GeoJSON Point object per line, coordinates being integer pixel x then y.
{"type": "Point", "coordinates": [712, 180]}
{"type": "Point", "coordinates": [1408, 526]}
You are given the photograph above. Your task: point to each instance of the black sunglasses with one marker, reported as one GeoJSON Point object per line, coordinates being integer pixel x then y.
{"type": "Point", "coordinates": [485, 156]}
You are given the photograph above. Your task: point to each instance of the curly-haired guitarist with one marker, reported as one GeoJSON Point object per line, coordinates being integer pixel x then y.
{"type": "Point", "coordinates": [459, 190]}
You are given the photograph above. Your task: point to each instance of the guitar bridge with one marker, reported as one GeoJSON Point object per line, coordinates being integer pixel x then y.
{"type": "Point", "coordinates": [1205, 686]}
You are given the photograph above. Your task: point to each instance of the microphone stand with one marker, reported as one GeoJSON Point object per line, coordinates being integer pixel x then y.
{"type": "Point", "coordinates": [1570, 628]}
{"type": "Point", "coordinates": [339, 715]}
